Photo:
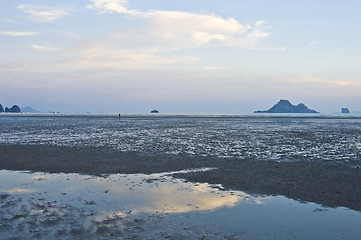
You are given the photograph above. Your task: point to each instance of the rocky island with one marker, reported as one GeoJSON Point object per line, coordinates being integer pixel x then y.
{"type": "Point", "coordinates": [345, 110]}
{"type": "Point", "coordinates": [13, 109]}
{"type": "Point", "coordinates": [284, 106]}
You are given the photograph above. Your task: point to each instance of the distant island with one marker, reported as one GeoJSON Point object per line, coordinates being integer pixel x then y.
{"type": "Point", "coordinates": [13, 109]}
{"type": "Point", "coordinates": [17, 109]}
{"type": "Point", "coordinates": [284, 106]}
{"type": "Point", "coordinates": [154, 111]}
{"type": "Point", "coordinates": [29, 109]}
{"type": "Point", "coordinates": [345, 110]}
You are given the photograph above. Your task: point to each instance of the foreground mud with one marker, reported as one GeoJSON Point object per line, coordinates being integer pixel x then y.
{"type": "Point", "coordinates": [332, 186]}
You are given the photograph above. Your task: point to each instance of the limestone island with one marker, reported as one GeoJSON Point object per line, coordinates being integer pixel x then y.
{"type": "Point", "coordinates": [13, 109]}
{"type": "Point", "coordinates": [284, 106]}
{"type": "Point", "coordinates": [345, 110]}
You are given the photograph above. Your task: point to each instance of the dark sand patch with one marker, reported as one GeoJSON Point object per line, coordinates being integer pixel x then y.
{"type": "Point", "coordinates": [92, 160]}
{"type": "Point", "coordinates": [331, 186]}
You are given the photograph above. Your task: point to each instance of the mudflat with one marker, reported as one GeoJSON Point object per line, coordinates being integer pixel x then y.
{"type": "Point", "coordinates": [326, 184]}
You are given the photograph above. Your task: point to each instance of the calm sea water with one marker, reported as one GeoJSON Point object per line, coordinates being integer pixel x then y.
{"type": "Point", "coordinates": [332, 139]}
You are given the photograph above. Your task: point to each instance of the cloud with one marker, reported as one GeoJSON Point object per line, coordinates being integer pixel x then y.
{"type": "Point", "coordinates": [19, 34]}
{"type": "Point", "coordinates": [109, 6]}
{"type": "Point", "coordinates": [211, 68]}
{"type": "Point", "coordinates": [44, 48]}
{"type": "Point", "coordinates": [195, 30]}
{"type": "Point", "coordinates": [101, 55]}
{"type": "Point", "coordinates": [43, 13]}
{"type": "Point", "coordinates": [152, 39]}
{"type": "Point", "coordinates": [179, 29]}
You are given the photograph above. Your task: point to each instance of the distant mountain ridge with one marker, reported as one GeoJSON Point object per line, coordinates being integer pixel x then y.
{"type": "Point", "coordinates": [29, 109]}
{"type": "Point", "coordinates": [284, 106]}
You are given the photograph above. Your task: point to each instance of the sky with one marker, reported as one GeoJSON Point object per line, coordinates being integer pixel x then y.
{"type": "Point", "coordinates": [190, 56]}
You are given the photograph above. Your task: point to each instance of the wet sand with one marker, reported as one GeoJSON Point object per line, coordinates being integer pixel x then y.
{"type": "Point", "coordinates": [331, 186]}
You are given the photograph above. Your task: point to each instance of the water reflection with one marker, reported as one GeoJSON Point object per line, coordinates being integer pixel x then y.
{"type": "Point", "coordinates": [19, 190]}
{"type": "Point", "coordinates": [157, 206]}
{"type": "Point", "coordinates": [137, 193]}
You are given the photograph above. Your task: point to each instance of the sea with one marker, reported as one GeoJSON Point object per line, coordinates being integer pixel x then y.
{"type": "Point", "coordinates": [332, 138]}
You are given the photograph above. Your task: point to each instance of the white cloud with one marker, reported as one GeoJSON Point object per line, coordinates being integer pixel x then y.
{"type": "Point", "coordinates": [43, 13]}
{"type": "Point", "coordinates": [44, 48]}
{"type": "Point", "coordinates": [193, 30]}
{"type": "Point", "coordinates": [109, 6]}
{"type": "Point", "coordinates": [179, 29]}
{"type": "Point", "coordinates": [156, 40]}
{"type": "Point", "coordinates": [211, 68]}
{"type": "Point", "coordinates": [102, 56]}
{"type": "Point", "coordinates": [19, 34]}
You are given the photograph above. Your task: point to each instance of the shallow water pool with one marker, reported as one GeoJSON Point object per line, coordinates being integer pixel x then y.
{"type": "Point", "coordinates": [156, 206]}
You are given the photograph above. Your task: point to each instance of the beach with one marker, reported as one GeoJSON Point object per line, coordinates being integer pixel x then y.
{"type": "Point", "coordinates": [328, 185]}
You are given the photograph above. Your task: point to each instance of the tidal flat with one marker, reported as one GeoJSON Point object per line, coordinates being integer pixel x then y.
{"type": "Point", "coordinates": [329, 185]}
{"type": "Point", "coordinates": [179, 177]}
{"type": "Point", "coordinates": [76, 193]}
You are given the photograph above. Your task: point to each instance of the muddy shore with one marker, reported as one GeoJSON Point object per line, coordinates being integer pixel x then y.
{"type": "Point", "coordinates": [331, 186]}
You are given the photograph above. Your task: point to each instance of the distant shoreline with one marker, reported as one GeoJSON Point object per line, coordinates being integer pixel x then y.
{"type": "Point", "coordinates": [191, 115]}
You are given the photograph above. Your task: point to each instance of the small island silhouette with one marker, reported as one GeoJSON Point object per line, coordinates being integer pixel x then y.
{"type": "Point", "coordinates": [13, 109]}
{"type": "Point", "coordinates": [345, 110]}
{"type": "Point", "coordinates": [284, 106]}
